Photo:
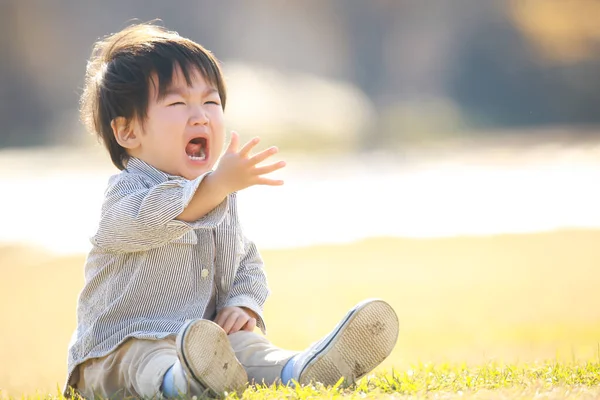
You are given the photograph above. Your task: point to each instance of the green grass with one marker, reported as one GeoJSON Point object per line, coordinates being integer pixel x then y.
{"type": "Point", "coordinates": [548, 380]}
{"type": "Point", "coordinates": [481, 313]}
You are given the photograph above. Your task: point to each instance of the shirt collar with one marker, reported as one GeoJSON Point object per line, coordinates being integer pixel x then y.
{"type": "Point", "coordinates": [142, 167]}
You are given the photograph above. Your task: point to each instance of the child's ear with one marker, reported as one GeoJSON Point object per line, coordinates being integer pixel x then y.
{"type": "Point", "coordinates": [124, 133]}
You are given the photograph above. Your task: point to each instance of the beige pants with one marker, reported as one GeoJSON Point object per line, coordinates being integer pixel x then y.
{"type": "Point", "coordinates": [136, 368]}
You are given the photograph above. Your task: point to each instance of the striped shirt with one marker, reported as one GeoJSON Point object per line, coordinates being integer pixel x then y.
{"type": "Point", "coordinates": [148, 273]}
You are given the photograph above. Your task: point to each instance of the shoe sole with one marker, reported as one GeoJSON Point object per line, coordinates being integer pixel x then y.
{"type": "Point", "coordinates": [207, 356]}
{"type": "Point", "coordinates": [359, 343]}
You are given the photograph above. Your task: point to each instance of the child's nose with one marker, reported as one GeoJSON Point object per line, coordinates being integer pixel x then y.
{"type": "Point", "coordinates": [199, 117]}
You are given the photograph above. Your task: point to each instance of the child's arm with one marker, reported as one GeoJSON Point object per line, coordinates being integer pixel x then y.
{"type": "Point", "coordinates": [250, 290]}
{"type": "Point", "coordinates": [137, 217]}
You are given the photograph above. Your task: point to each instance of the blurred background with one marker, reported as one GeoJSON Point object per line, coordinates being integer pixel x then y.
{"type": "Point", "coordinates": [446, 150]}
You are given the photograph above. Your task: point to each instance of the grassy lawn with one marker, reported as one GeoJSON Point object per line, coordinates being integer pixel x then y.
{"type": "Point", "coordinates": [510, 316]}
{"type": "Point", "coordinates": [550, 380]}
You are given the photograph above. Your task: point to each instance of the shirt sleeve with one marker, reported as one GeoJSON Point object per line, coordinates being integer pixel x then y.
{"type": "Point", "coordinates": [250, 287]}
{"type": "Point", "coordinates": [136, 217]}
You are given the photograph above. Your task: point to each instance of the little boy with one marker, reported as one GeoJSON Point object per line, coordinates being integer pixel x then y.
{"type": "Point", "coordinates": [173, 289]}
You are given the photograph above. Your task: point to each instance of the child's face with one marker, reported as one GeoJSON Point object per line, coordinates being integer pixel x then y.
{"type": "Point", "coordinates": [184, 132]}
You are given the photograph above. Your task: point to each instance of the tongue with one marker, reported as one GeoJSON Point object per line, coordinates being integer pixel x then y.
{"type": "Point", "coordinates": [193, 149]}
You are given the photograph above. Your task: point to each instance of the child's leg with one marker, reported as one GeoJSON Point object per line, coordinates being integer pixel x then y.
{"type": "Point", "coordinates": [358, 344]}
{"type": "Point", "coordinates": [136, 368]}
{"type": "Point", "coordinates": [262, 360]}
{"type": "Point", "coordinates": [199, 361]}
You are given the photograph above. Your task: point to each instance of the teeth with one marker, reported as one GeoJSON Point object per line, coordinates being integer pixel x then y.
{"type": "Point", "coordinates": [201, 157]}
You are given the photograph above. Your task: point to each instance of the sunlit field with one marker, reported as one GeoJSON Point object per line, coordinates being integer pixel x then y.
{"type": "Point", "coordinates": [466, 302]}
{"type": "Point", "coordinates": [489, 254]}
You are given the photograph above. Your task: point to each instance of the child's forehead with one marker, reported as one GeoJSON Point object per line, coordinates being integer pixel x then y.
{"type": "Point", "coordinates": [178, 81]}
{"type": "Point", "coordinates": [193, 72]}
{"type": "Point", "coordinates": [178, 78]}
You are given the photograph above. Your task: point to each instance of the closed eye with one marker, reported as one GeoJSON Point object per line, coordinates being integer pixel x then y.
{"type": "Point", "coordinates": [177, 103]}
{"type": "Point", "coordinates": [213, 102]}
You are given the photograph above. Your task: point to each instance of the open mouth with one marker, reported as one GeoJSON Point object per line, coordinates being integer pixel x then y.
{"type": "Point", "coordinates": [197, 149]}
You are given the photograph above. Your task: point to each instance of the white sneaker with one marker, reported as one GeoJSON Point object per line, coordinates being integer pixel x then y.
{"type": "Point", "coordinates": [208, 359]}
{"type": "Point", "coordinates": [359, 343]}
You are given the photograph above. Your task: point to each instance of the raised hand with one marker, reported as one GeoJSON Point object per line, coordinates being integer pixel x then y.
{"type": "Point", "coordinates": [238, 170]}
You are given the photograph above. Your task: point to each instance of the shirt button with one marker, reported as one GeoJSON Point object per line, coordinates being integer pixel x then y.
{"type": "Point", "coordinates": [204, 273]}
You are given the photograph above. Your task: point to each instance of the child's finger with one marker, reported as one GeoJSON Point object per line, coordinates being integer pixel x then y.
{"type": "Point", "coordinates": [233, 143]}
{"type": "Point", "coordinates": [250, 325]}
{"type": "Point", "coordinates": [221, 318]}
{"type": "Point", "coordinates": [239, 323]}
{"type": "Point", "coordinates": [263, 155]}
{"type": "Point", "coordinates": [249, 146]}
{"type": "Point", "coordinates": [269, 168]}
{"type": "Point", "coordinates": [269, 182]}
{"type": "Point", "coordinates": [229, 322]}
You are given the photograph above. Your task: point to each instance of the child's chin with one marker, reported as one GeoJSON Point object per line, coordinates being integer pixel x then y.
{"type": "Point", "coordinates": [196, 172]}
{"type": "Point", "coordinates": [191, 177]}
